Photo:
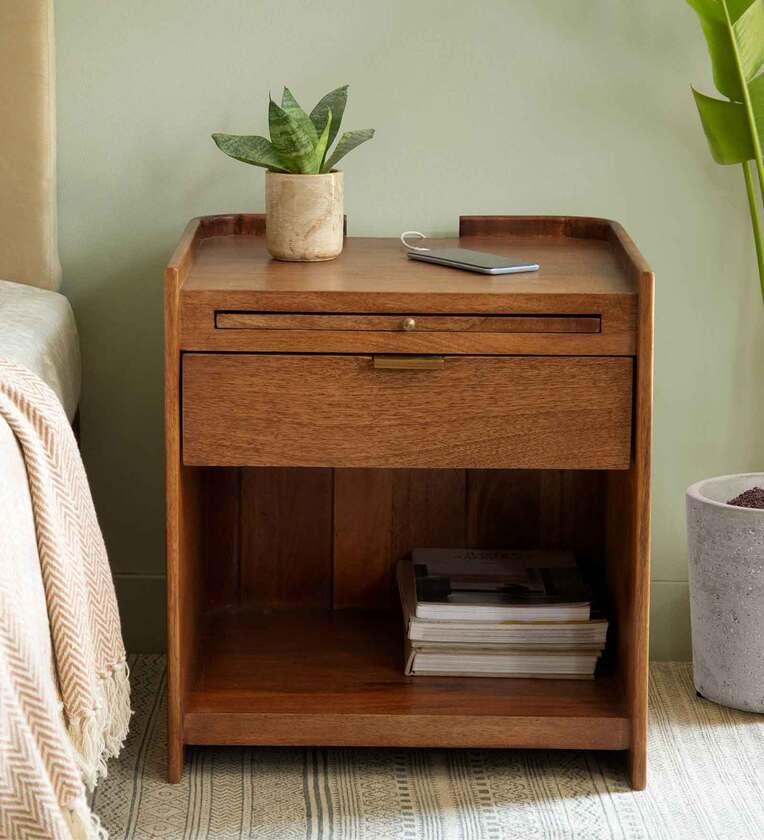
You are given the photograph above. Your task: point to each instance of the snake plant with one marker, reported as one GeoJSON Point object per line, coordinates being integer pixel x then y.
{"type": "Point", "coordinates": [300, 142]}
{"type": "Point", "coordinates": [734, 126]}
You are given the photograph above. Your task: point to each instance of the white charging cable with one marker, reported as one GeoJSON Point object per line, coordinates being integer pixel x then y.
{"type": "Point", "coordinates": [409, 245]}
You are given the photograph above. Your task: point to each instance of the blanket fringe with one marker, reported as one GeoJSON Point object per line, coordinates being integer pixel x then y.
{"type": "Point", "coordinates": [99, 736]}
{"type": "Point", "coordinates": [83, 824]}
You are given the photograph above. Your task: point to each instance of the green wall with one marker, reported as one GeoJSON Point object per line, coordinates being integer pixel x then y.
{"type": "Point", "coordinates": [579, 107]}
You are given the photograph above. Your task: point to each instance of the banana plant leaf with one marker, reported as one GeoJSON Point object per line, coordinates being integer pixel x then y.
{"type": "Point", "coordinates": [257, 151]}
{"type": "Point", "coordinates": [334, 101]}
{"type": "Point", "coordinates": [734, 32]}
{"type": "Point", "coordinates": [726, 124]}
{"type": "Point", "coordinates": [349, 141]}
{"type": "Point", "coordinates": [745, 27]}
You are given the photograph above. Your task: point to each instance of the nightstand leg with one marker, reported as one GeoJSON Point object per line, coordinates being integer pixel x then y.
{"type": "Point", "coordinates": [174, 761]}
{"type": "Point", "coordinates": [638, 766]}
{"type": "Point", "coordinates": [183, 585]}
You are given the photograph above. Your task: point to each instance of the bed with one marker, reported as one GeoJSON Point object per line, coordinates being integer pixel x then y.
{"type": "Point", "coordinates": [64, 693]}
{"type": "Point", "coordinates": [37, 327]}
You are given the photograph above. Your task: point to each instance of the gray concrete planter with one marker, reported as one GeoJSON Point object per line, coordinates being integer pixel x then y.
{"type": "Point", "coordinates": [726, 553]}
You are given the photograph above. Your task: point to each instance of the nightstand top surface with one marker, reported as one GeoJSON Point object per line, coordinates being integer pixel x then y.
{"type": "Point", "coordinates": [568, 266]}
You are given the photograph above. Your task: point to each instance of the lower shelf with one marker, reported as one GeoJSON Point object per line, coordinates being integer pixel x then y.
{"type": "Point", "coordinates": [336, 679]}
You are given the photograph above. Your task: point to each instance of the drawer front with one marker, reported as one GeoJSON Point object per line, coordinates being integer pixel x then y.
{"type": "Point", "coordinates": [388, 411]}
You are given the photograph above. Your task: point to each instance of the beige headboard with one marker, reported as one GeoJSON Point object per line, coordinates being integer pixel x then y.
{"type": "Point", "coordinates": [28, 241]}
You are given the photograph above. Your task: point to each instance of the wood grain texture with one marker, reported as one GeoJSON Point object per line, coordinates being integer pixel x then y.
{"type": "Point", "coordinates": [232, 272]}
{"type": "Point", "coordinates": [538, 509]}
{"type": "Point", "coordinates": [636, 672]}
{"type": "Point", "coordinates": [339, 411]}
{"type": "Point", "coordinates": [504, 508]}
{"type": "Point", "coordinates": [409, 322]}
{"type": "Point", "coordinates": [257, 675]}
{"type": "Point", "coordinates": [628, 549]}
{"type": "Point", "coordinates": [617, 338]}
{"type": "Point", "coordinates": [286, 540]}
{"type": "Point", "coordinates": [221, 489]}
{"type": "Point", "coordinates": [379, 517]}
{"type": "Point", "coordinates": [363, 535]}
{"type": "Point", "coordinates": [545, 227]}
{"type": "Point", "coordinates": [378, 269]}
{"type": "Point", "coordinates": [428, 510]}
{"type": "Point", "coordinates": [337, 678]}
{"type": "Point", "coordinates": [183, 537]}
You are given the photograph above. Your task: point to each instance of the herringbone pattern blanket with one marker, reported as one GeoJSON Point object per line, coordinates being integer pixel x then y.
{"type": "Point", "coordinates": [65, 698]}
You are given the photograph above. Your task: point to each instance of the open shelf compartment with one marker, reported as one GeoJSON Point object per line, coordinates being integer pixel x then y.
{"type": "Point", "coordinates": [336, 678]}
{"type": "Point", "coordinates": [299, 636]}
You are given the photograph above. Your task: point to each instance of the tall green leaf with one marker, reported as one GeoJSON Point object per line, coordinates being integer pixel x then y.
{"type": "Point", "coordinates": [726, 125]}
{"type": "Point", "coordinates": [334, 101]}
{"type": "Point", "coordinates": [292, 107]}
{"type": "Point", "coordinates": [348, 142]}
{"type": "Point", "coordinates": [749, 36]}
{"type": "Point", "coordinates": [254, 150]}
{"type": "Point", "coordinates": [319, 153]}
{"type": "Point", "coordinates": [734, 31]}
{"type": "Point", "coordinates": [719, 40]}
{"type": "Point", "coordinates": [293, 144]}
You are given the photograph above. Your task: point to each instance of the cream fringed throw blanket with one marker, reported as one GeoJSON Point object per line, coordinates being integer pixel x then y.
{"type": "Point", "coordinates": [58, 725]}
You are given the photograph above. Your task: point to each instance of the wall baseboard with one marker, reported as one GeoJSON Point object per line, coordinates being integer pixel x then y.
{"type": "Point", "coordinates": [670, 621]}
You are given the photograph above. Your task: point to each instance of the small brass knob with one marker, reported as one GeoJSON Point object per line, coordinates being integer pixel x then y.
{"type": "Point", "coordinates": [408, 324]}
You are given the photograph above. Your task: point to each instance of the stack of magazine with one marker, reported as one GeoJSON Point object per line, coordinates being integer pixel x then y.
{"type": "Point", "coordinates": [498, 614]}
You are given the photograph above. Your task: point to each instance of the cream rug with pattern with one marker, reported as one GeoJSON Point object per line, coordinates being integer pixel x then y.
{"type": "Point", "coordinates": [706, 781]}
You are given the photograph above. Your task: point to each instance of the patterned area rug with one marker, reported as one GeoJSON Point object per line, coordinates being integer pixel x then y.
{"type": "Point", "coordinates": [706, 781]}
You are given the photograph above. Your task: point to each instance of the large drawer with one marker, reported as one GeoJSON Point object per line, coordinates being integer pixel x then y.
{"type": "Point", "coordinates": [364, 411]}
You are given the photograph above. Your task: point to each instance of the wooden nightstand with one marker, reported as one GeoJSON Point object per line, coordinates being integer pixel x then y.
{"type": "Point", "coordinates": [324, 418]}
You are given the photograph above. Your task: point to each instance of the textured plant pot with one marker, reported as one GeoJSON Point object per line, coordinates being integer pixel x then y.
{"type": "Point", "coordinates": [304, 216]}
{"type": "Point", "coordinates": [726, 552]}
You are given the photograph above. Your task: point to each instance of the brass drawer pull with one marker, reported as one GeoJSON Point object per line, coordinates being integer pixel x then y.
{"type": "Point", "coordinates": [408, 324]}
{"type": "Point", "coordinates": [408, 362]}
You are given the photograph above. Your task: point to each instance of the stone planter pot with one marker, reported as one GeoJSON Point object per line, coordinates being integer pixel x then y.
{"type": "Point", "coordinates": [304, 216]}
{"type": "Point", "coordinates": [726, 553]}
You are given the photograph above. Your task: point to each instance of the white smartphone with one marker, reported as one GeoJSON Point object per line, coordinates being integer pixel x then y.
{"type": "Point", "coordinates": [480, 261]}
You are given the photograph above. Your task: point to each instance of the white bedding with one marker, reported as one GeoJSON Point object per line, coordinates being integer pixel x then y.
{"type": "Point", "coordinates": [37, 330]}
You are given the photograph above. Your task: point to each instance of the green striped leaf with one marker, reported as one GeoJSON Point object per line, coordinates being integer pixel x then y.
{"type": "Point", "coordinates": [299, 143]}
{"type": "Point", "coordinates": [257, 151]}
{"type": "Point", "coordinates": [348, 142]}
{"type": "Point", "coordinates": [292, 143]}
{"type": "Point", "coordinates": [292, 107]}
{"type": "Point", "coordinates": [322, 145]}
{"type": "Point", "coordinates": [334, 101]}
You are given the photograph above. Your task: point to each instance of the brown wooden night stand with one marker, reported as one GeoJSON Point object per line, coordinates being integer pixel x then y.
{"type": "Point", "coordinates": [324, 418]}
